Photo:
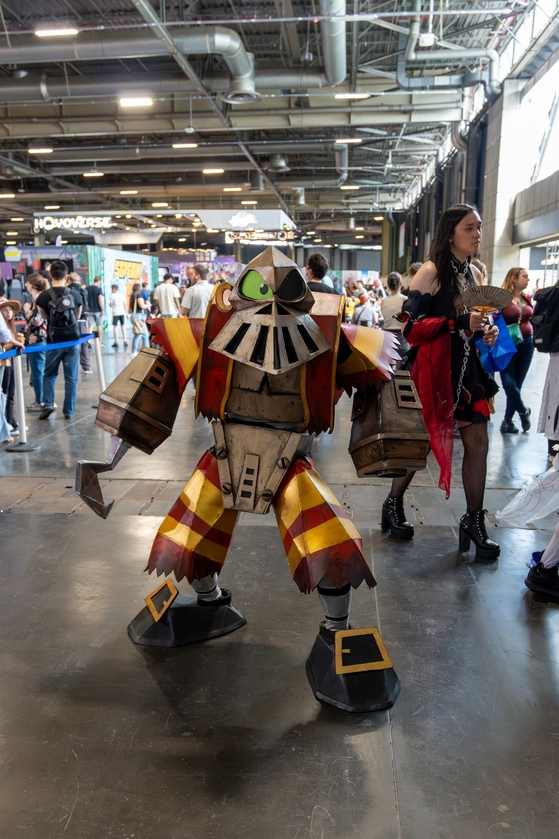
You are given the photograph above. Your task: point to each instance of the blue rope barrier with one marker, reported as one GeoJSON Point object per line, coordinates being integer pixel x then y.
{"type": "Point", "coordinates": [48, 347]}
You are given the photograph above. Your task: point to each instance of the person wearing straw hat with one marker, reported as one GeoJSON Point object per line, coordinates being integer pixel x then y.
{"type": "Point", "coordinates": [7, 342]}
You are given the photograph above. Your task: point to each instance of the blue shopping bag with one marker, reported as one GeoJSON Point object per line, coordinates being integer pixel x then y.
{"type": "Point", "coordinates": [498, 356]}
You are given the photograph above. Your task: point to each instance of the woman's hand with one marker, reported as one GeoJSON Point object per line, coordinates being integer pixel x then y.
{"type": "Point", "coordinates": [476, 321]}
{"type": "Point", "coordinates": [491, 334]}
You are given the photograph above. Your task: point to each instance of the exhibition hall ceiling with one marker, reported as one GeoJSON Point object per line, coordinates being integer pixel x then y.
{"type": "Point", "coordinates": [330, 110]}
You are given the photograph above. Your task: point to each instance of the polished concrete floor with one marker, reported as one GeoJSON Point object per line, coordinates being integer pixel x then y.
{"type": "Point", "coordinates": [225, 739]}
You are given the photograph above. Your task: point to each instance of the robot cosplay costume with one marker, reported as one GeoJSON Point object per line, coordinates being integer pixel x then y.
{"type": "Point", "coordinates": [272, 360]}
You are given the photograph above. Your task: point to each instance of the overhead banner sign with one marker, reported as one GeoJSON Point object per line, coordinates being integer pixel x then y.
{"type": "Point", "coordinates": [46, 223]}
{"type": "Point", "coordinates": [245, 218]}
{"type": "Point", "coordinates": [232, 236]}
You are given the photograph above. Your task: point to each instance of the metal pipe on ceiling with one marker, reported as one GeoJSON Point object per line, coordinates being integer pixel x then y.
{"type": "Point", "coordinates": [413, 36]}
{"type": "Point", "coordinates": [333, 31]}
{"type": "Point", "coordinates": [36, 88]}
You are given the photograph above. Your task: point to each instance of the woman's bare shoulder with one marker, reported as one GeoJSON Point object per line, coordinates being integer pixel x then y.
{"type": "Point", "coordinates": [426, 279]}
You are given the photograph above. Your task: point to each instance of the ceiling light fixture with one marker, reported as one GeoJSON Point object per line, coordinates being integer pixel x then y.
{"type": "Point", "coordinates": [377, 247]}
{"type": "Point", "coordinates": [11, 242]}
{"type": "Point", "coordinates": [311, 232]}
{"type": "Point", "coordinates": [232, 189]}
{"type": "Point", "coordinates": [378, 218]}
{"type": "Point", "coordinates": [213, 171]}
{"type": "Point", "coordinates": [349, 187]}
{"type": "Point", "coordinates": [136, 102]}
{"type": "Point", "coordinates": [185, 145]}
{"type": "Point", "coordinates": [359, 237]}
{"type": "Point", "coordinates": [12, 232]}
{"type": "Point", "coordinates": [349, 141]}
{"type": "Point", "coordinates": [160, 204]}
{"type": "Point", "coordinates": [54, 33]}
{"type": "Point", "coordinates": [178, 215]}
{"type": "Point", "coordinates": [93, 173]}
{"type": "Point", "coordinates": [249, 202]}
{"type": "Point", "coordinates": [128, 191]}
{"type": "Point", "coordinates": [317, 240]}
{"type": "Point", "coordinates": [182, 239]}
{"type": "Point", "coordinates": [159, 215]}
{"type": "Point", "coordinates": [351, 96]}
{"type": "Point", "coordinates": [17, 219]}
{"type": "Point", "coordinates": [7, 195]}
{"type": "Point", "coordinates": [42, 150]}
{"type": "Point", "coordinates": [211, 230]}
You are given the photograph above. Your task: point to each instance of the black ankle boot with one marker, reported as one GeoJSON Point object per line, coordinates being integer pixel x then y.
{"type": "Point", "coordinates": [472, 528]}
{"type": "Point", "coordinates": [542, 580]}
{"type": "Point", "coordinates": [394, 519]}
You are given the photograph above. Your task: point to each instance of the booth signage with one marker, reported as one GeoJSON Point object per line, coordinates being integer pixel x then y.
{"type": "Point", "coordinates": [258, 236]}
{"type": "Point", "coordinates": [71, 223]}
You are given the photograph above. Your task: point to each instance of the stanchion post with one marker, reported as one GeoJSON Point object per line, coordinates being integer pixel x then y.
{"type": "Point", "coordinates": [99, 360]}
{"type": "Point", "coordinates": [22, 445]}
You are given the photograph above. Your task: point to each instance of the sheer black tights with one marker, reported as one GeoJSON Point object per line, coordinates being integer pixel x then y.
{"type": "Point", "coordinates": [474, 466]}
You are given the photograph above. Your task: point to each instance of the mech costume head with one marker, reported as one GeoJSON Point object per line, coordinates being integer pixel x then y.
{"type": "Point", "coordinates": [270, 327]}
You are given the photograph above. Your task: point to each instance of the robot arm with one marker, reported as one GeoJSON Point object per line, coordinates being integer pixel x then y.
{"type": "Point", "coordinates": [139, 409]}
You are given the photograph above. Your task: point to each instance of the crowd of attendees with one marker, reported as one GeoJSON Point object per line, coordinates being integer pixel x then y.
{"type": "Point", "coordinates": [375, 306]}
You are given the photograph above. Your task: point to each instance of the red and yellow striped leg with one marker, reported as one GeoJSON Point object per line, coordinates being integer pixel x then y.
{"type": "Point", "coordinates": [194, 538]}
{"type": "Point", "coordinates": [318, 536]}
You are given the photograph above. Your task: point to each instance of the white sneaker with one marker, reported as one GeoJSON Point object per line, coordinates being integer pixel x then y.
{"type": "Point", "coordinates": [35, 406]}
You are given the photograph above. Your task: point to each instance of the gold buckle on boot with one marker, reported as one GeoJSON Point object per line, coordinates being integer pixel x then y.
{"type": "Point", "coordinates": [161, 598]}
{"type": "Point", "coordinates": [359, 650]}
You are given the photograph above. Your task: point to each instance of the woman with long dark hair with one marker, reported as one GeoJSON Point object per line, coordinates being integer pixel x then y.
{"type": "Point", "coordinates": [451, 382]}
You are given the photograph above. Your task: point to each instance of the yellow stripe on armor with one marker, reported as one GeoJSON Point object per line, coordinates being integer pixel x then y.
{"type": "Point", "coordinates": [326, 535]}
{"type": "Point", "coordinates": [184, 344]}
{"type": "Point", "coordinates": [189, 539]}
{"type": "Point", "coordinates": [203, 498]}
{"type": "Point", "coordinates": [305, 491]}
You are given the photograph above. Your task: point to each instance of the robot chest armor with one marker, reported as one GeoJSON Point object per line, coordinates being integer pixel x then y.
{"type": "Point", "coordinates": [265, 398]}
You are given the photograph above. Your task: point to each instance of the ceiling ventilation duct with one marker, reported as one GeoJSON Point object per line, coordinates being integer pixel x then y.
{"type": "Point", "coordinates": [299, 196]}
{"type": "Point", "coordinates": [278, 163]}
{"type": "Point", "coordinates": [256, 181]}
{"type": "Point", "coordinates": [242, 90]}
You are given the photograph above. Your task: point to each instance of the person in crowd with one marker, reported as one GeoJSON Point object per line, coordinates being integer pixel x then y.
{"type": "Point", "coordinates": [482, 268]}
{"type": "Point", "coordinates": [9, 309]}
{"type": "Point", "coordinates": [517, 315]}
{"type": "Point", "coordinates": [138, 309]}
{"type": "Point", "coordinates": [317, 266]}
{"type": "Point", "coordinates": [391, 306]}
{"type": "Point", "coordinates": [542, 577]}
{"type": "Point", "coordinates": [167, 296]}
{"type": "Point", "coordinates": [146, 295]}
{"type": "Point", "coordinates": [8, 341]}
{"type": "Point", "coordinates": [36, 335]}
{"type": "Point", "coordinates": [364, 314]}
{"type": "Point", "coordinates": [117, 303]}
{"type": "Point", "coordinates": [446, 369]}
{"type": "Point", "coordinates": [62, 326]}
{"type": "Point", "coordinates": [73, 280]}
{"type": "Point", "coordinates": [96, 306]}
{"type": "Point", "coordinates": [548, 421]}
{"type": "Point", "coordinates": [197, 296]}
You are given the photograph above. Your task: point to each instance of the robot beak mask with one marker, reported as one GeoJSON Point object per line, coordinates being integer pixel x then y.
{"type": "Point", "coordinates": [270, 327]}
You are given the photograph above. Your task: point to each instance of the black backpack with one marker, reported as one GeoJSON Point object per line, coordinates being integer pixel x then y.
{"type": "Point", "coordinates": [546, 320]}
{"type": "Point", "coordinates": [63, 324]}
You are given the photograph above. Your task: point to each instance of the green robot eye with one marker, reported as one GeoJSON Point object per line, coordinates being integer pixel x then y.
{"type": "Point", "coordinates": [254, 287]}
